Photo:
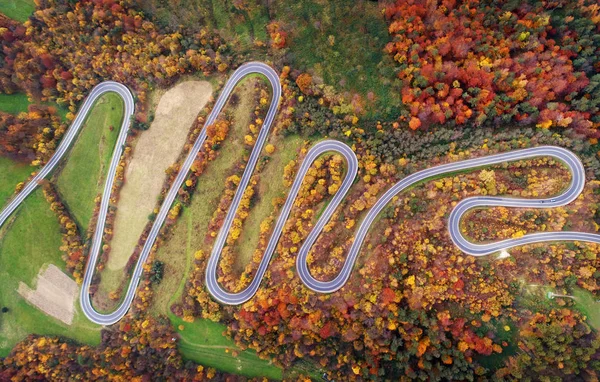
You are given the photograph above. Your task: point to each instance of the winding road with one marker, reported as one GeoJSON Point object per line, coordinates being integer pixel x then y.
{"type": "Point", "coordinates": [568, 158]}
{"type": "Point", "coordinates": [577, 183]}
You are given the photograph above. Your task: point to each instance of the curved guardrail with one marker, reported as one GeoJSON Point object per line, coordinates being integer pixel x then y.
{"type": "Point", "coordinates": [571, 160]}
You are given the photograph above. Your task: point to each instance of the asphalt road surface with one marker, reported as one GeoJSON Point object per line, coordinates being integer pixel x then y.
{"type": "Point", "coordinates": [575, 188]}
{"type": "Point", "coordinates": [69, 137]}
{"type": "Point", "coordinates": [63, 147]}
{"type": "Point", "coordinates": [568, 158]}
{"type": "Point", "coordinates": [241, 72]}
{"type": "Point", "coordinates": [322, 147]}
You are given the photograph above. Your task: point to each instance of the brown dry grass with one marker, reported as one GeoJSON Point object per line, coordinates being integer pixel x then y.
{"type": "Point", "coordinates": [55, 294]}
{"type": "Point", "coordinates": [156, 150]}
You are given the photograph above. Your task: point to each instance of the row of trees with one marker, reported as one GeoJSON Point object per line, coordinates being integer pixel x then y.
{"type": "Point", "coordinates": [73, 247]}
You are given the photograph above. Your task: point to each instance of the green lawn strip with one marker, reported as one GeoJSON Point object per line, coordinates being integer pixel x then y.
{"type": "Point", "coordinates": [587, 304]}
{"type": "Point", "coordinates": [83, 175]}
{"type": "Point", "coordinates": [173, 283]}
{"type": "Point", "coordinates": [19, 10]}
{"type": "Point", "coordinates": [110, 281]}
{"type": "Point", "coordinates": [270, 186]}
{"type": "Point", "coordinates": [27, 243]}
{"type": "Point", "coordinates": [11, 173]}
{"type": "Point", "coordinates": [202, 341]}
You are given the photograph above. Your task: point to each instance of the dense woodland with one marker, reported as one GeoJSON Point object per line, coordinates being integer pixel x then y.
{"type": "Point", "coordinates": [134, 350]}
{"type": "Point", "coordinates": [479, 61]}
{"type": "Point", "coordinates": [466, 78]}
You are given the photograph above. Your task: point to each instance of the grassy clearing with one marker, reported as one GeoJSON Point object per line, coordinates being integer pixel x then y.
{"type": "Point", "coordinates": [240, 27]}
{"type": "Point", "coordinates": [11, 173]}
{"type": "Point", "coordinates": [340, 42]}
{"type": "Point", "coordinates": [83, 175]}
{"type": "Point", "coordinates": [18, 103]}
{"type": "Point", "coordinates": [586, 303]}
{"type": "Point", "coordinates": [19, 10]}
{"type": "Point", "coordinates": [203, 342]}
{"type": "Point", "coordinates": [28, 242]}
{"type": "Point", "coordinates": [14, 103]}
{"type": "Point", "coordinates": [343, 42]}
{"type": "Point", "coordinates": [110, 281]}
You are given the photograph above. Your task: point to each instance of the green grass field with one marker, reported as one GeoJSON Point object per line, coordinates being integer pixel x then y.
{"type": "Point", "coordinates": [18, 103]}
{"type": "Point", "coordinates": [340, 42]}
{"type": "Point", "coordinates": [203, 342]}
{"type": "Point", "coordinates": [19, 10]}
{"type": "Point", "coordinates": [29, 242]}
{"type": "Point", "coordinates": [343, 42]}
{"type": "Point", "coordinates": [588, 305]}
{"type": "Point", "coordinates": [270, 186]}
{"type": "Point", "coordinates": [14, 103]}
{"type": "Point", "coordinates": [11, 173]}
{"type": "Point", "coordinates": [251, 29]}
{"type": "Point", "coordinates": [33, 238]}
{"type": "Point", "coordinates": [83, 175]}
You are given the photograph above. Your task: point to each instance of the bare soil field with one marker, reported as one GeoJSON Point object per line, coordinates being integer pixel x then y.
{"type": "Point", "coordinates": [55, 294]}
{"type": "Point", "coordinates": [156, 150]}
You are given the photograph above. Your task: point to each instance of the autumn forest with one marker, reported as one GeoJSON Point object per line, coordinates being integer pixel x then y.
{"type": "Point", "coordinates": [407, 84]}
